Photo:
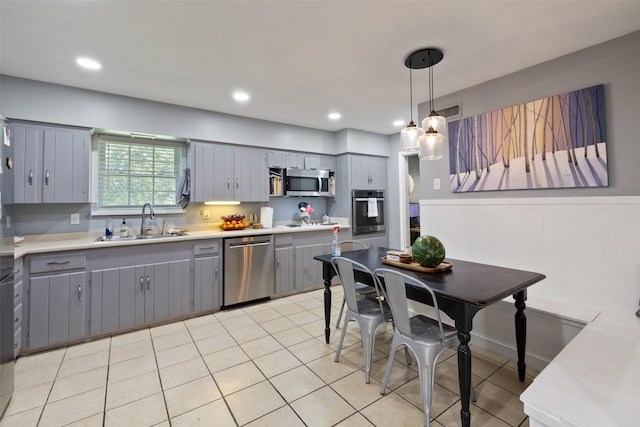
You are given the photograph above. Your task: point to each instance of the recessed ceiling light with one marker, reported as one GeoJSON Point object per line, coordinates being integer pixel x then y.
{"type": "Point", "coordinates": [334, 116]}
{"type": "Point", "coordinates": [398, 123]}
{"type": "Point", "coordinates": [241, 96]}
{"type": "Point", "coordinates": [88, 63]}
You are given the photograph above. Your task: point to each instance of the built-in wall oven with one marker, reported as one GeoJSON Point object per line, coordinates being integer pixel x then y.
{"type": "Point", "coordinates": [367, 211]}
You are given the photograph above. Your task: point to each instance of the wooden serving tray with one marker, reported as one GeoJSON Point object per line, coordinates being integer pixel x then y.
{"type": "Point", "coordinates": [444, 266]}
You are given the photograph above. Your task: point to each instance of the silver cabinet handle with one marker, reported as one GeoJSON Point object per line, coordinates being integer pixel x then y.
{"type": "Point", "coordinates": [79, 291]}
{"type": "Point", "coordinates": [228, 183]}
{"type": "Point", "coordinates": [141, 283]}
{"type": "Point", "coordinates": [30, 180]}
{"type": "Point", "coordinates": [46, 178]}
{"type": "Point", "coordinates": [237, 184]}
{"type": "Point", "coordinates": [206, 249]}
{"type": "Point", "coordinates": [148, 281]}
{"type": "Point", "coordinates": [58, 262]}
{"type": "Point", "coordinates": [216, 272]}
{"type": "Point", "coordinates": [277, 262]}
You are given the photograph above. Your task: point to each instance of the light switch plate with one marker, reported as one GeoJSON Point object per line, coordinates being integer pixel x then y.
{"type": "Point", "coordinates": [436, 183]}
{"type": "Point", "coordinates": [75, 219]}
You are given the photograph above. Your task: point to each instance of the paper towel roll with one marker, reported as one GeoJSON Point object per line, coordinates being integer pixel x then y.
{"type": "Point", "coordinates": [266, 217]}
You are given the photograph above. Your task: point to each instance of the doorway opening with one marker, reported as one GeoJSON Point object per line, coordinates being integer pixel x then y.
{"type": "Point", "coordinates": [409, 192]}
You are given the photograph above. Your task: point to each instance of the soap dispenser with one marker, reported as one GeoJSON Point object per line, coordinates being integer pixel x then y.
{"type": "Point", "coordinates": [124, 231]}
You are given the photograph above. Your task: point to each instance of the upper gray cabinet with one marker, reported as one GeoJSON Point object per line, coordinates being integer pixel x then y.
{"type": "Point", "coordinates": [51, 164]}
{"type": "Point", "coordinates": [320, 162]}
{"type": "Point", "coordinates": [222, 172]}
{"type": "Point", "coordinates": [284, 160]}
{"type": "Point", "coordinates": [368, 172]}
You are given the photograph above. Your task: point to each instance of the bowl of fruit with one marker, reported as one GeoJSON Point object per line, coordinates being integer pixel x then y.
{"type": "Point", "coordinates": [233, 222]}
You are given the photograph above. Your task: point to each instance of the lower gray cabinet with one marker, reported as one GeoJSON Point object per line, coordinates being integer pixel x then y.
{"type": "Point", "coordinates": [55, 299]}
{"type": "Point", "coordinates": [285, 270]}
{"type": "Point", "coordinates": [207, 276]}
{"type": "Point", "coordinates": [132, 286]}
{"type": "Point", "coordinates": [308, 270]}
{"type": "Point", "coordinates": [56, 309]}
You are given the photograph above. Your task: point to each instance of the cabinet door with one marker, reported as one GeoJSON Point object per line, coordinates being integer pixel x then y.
{"type": "Point", "coordinates": [56, 309]}
{"type": "Point", "coordinates": [27, 163]}
{"type": "Point", "coordinates": [65, 173]}
{"type": "Point", "coordinates": [360, 173]}
{"type": "Point", "coordinates": [251, 175]}
{"type": "Point", "coordinates": [276, 159]}
{"type": "Point", "coordinates": [378, 173]}
{"type": "Point", "coordinates": [285, 272]}
{"type": "Point", "coordinates": [179, 290]}
{"type": "Point", "coordinates": [113, 299]}
{"type": "Point", "coordinates": [206, 284]}
{"type": "Point", "coordinates": [202, 174]}
{"type": "Point", "coordinates": [223, 178]}
{"type": "Point", "coordinates": [295, 160]}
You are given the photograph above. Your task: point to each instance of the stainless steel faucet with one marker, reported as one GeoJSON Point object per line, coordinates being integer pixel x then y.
{"type": "Point", "coordinates": [143, 224]}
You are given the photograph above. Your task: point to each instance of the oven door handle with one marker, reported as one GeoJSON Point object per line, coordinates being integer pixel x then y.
{"type": "Point", "coordinates": [365, 199]}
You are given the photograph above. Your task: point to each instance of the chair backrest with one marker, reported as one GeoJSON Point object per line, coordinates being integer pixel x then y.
{"type": "Point", "coordinates": [344, 269]}
{"type": "Point", "coordinates": [395, 290]}
{"type": "Point", "coordinates": [352, 245]}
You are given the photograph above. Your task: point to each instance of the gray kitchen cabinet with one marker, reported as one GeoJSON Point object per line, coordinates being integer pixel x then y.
{"type": "Point", "coordinates": [223, 172]}
{"type": "Point", "coordinates": [285, 264]}
{"type": "Point", "coordinates": [250, 172]}
{"type": "Point", "coordinates": [284, 159]}
{"type": "Point", "coordinates": [17, 306]}
{"type": "Point", "coordinates": [308, 272]}
{"type": "Point", "coordinates": [56, 293]}
{"type": "Point", "coordinates": [368, 172]}
{"type": "Point", "coordinates": [207, 276]}
{"type": "Point", "coordinates": [320, 162]}
{"type": "Point", "coordinates": [51, 164]}
{"type": "Point", "coordinates": [130, 287]}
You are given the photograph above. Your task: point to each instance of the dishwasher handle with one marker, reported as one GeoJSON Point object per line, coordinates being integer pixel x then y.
{"type": "Point", "coordinates": [248, 244]}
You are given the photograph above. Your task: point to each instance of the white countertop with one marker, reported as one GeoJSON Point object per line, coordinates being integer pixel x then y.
{"type": "Point", "coordinates": [594, 381]}
{"type": "Point", "coordinates": [43, 243]}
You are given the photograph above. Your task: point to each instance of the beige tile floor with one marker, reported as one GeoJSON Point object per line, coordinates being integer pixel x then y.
{"type": "Point", "coordinates": [260, 365]}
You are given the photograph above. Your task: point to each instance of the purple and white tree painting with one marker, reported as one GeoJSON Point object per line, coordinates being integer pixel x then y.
{"type": "Point", "coordinates": [555, 142]}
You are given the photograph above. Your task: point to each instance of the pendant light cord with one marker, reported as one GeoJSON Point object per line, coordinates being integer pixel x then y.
{"type": "Point", "coordinates": [411, 94]}
{"type": "Point", "coordinates": [430, 84]}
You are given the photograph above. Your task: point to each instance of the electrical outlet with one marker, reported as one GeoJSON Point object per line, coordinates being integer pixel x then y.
{"type": "Point", "coordinates": [75, 219]}
{"type": "Point", "coordinates": [204, 213]}
{"type": "Point", "coordinates": [436, 183]}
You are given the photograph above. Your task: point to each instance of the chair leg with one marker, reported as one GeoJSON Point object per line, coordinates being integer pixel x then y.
{"type": "Point", "coordinates": [344, 300]}
{"type": "Point", "coordinates": [344, 329]}
{"type": "Point", "coordinates": [473, 394]}
{"type": "Point", "coordinates": [387, 372]}
{"type": "Point", "coordinates": [407, 355]}
{"type": "Point", "coordinates": [426, 388]}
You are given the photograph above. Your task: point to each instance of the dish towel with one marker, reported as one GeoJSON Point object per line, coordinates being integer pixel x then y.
{"type": "Point", "coordinates": [372, 207]}
{"type": "Point", "coordinates": [185, 190]}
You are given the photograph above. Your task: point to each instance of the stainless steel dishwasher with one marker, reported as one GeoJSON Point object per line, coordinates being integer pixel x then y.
{"type": "Point", "coordinates": [248, 269]}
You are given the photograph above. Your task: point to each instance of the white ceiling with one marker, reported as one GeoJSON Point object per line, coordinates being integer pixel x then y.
{"type": "Point", "coordinates": [299, 60]}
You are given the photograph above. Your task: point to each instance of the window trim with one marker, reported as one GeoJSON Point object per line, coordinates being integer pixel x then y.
{"type": "Point", "coordinates": [121, 137]}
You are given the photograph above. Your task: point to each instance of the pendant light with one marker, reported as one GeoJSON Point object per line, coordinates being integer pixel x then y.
{"type": "Point", "coordinates": [431, 143]}
{"type": "Point", "coordinates": [410, 135]}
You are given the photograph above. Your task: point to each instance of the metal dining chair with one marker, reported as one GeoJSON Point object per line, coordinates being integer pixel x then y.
{"type": "Point", "coordinates": [361, 288]}
{"type": "Point", "coordinates": [369, 313]}
{"type": "Point", "coordinates": [426, 337]}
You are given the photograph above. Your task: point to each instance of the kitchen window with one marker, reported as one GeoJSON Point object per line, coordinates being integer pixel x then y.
{"type": "Point", "coordinates": [129, 173]}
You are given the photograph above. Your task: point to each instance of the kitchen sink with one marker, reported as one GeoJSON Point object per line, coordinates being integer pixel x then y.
{"type": "Point", "coordinates": [140, 237]}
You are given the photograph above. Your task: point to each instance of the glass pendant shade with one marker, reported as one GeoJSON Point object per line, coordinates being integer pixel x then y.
{"type": "Point", "coordinates": [409, 137]}
{"type": "Point", "coordinates": [431, 145]}
{"type": "Point", "coordinates": [435, 121]}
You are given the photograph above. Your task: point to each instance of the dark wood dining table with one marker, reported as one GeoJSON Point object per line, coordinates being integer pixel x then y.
{"type": "Point", "coordinates": [461, 292]}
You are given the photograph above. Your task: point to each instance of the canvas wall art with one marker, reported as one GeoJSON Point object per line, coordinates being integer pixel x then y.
{"type": "Point", "coordinates": [554, 142]}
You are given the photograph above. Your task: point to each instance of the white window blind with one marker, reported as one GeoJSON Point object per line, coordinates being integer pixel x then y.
{"type": "Point", "coordinates": [131, 174]}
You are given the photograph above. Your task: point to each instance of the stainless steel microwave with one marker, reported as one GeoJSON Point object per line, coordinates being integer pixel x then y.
{"type": "Point", "coordinates": [309, 182]}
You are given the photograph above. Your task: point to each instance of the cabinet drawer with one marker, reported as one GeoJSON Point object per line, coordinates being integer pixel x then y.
{"type": "Point", "coordinates": [206, 248]}
{"type": "Point", "coordinates": [17, 269]}
{"type": "Point", "coordinates": [286, 240]}
{"type": "Point", "coordinates": [17, 317]}
{"type": "Point", "coordinates": [17, 293]}
{"type": "Point", "coordinates": [60, 262]}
